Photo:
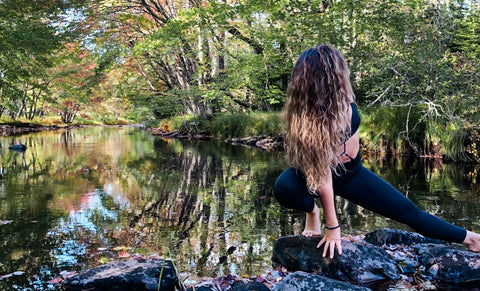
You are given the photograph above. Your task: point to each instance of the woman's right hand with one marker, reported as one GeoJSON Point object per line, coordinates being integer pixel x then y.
{"type": "Point", "coordinates": [331, 239]}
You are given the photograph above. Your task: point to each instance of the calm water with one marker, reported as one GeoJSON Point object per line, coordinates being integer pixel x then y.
{"type": "Point", "coordinates": [79, 198]}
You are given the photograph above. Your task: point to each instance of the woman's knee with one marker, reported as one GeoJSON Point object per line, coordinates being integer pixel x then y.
{"type": "Point", "coordinates": [291, 191]}
{"type": "Point", "coordinates": [288, 180]}
{"type": "Point", "coordinates": [284, 186]}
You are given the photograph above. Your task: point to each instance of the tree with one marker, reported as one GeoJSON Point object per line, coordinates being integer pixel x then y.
{"type": "Point", "coordinates": [71, 82]}
{"type": "Point", "coordinates": [202, 57]}
{"type": "Point", "coordinates": [30, 34]}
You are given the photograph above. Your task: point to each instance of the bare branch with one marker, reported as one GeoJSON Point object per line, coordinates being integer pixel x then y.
{"type": "Point", "coordinates": [379, 97]}
{"type": "Point", "coordinates": [256, 46]}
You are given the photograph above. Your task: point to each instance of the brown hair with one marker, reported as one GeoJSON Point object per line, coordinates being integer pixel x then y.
{"type": "Point", "coordinates": [318, 98]}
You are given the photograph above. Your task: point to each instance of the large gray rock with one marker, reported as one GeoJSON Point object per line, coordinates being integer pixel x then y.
{"type": "Point", "coordinates": [299, 281]}
{"type": "Point", "coordinates": [450, 265]}
{"type": "Point", "coordinates": [385, 236]}
{"type": "Point", "coordinates": [359, 263]}
{"type": "Point", "coordinates": [132, 274]}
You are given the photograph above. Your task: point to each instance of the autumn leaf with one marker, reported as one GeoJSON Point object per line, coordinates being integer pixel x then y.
{"type": "Point", "coordinates": [123, 254]}
{"type": "Point", "coordinates": [56, 280]}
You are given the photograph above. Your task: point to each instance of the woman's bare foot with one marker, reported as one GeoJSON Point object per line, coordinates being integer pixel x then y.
{"type": "Point", "coordinates": [312, 223]}
{"type": "Point", "coordinates": [472, 240]}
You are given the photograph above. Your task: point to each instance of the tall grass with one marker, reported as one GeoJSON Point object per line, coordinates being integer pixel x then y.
{"type": "Point", "coordinates": [226, 125]}
{"type": "Point", "coordinates": [384, 130]}
{"type": "Point", "coordinates": [247, 124]}
{"type": "Point", "coordinates": [453, 143]}
{"type": "Point", "coordinates": [44, 121]}
{"type": "Point", "coordinates": [52, 120]}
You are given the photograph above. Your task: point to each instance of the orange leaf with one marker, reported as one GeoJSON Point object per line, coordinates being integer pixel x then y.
{"type": "Point", "coordinates": [123, 254]}
{"type": "Point", "coordinates": [56, 280]}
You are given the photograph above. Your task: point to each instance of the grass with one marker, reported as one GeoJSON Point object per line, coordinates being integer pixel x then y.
{"type": "Point", "coordinates": [57, 121]}
{"type": "Point", "coordinates": [46, 121]}
{"type": "Point", "coordinates": [226, 125]}
{"type": "Point", "coordinates": [247, 124]}
{"type": "Point", "coordinates": [160, 276]}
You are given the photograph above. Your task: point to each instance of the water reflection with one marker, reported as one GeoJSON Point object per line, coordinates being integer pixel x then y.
{"type": "Point", "coordinates": [79, 198]}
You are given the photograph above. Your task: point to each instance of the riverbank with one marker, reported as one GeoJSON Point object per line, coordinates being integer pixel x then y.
{"type": "Point", "coordinates": [263, 142]}
{"type": "Point", "coordinates": [24, 128]}
{"type": "Point", "coordinates": [384, 132]}
{"type": "Point", "coordinates": [21, 128]}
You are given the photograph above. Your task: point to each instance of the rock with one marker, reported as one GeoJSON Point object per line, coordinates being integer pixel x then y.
{"type": "Point", "coordinates": [385, 236]}
{"type": "Point", "coordinates": [262, 142]}
{"type": "Point", "coordinates": [18, 147]}
{"type": "Point", "coordinates": [449, 265]}
{"type": "Point", "coordinates": [251, 141]}
{"type": "Point", "coordinates": [359, 263]}
{"type": "Point", "coordinates": [270, 144]}
{"type": "Point", "coordinates": [299, 281]}
{"type": "Point", "coordinates": [132, 274]}
{"type": "Point", "coordinates": [266, 143]}
{"type": "Point", "coordinates": [250, 286]}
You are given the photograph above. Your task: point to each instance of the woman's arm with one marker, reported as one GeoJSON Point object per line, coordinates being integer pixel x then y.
{"type": "Point", "coordinates": [331, 239]}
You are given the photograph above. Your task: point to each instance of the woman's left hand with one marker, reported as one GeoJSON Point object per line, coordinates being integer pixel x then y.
{"type": "Point", "coordinates": [331, 239]}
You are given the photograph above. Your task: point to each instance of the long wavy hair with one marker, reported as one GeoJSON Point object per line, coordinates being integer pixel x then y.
{"type": "Point", "coordinates": [318, 97]}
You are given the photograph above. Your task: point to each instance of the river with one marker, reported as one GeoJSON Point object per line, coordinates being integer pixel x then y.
{"type": "Point", "coordinates": [87, 196]}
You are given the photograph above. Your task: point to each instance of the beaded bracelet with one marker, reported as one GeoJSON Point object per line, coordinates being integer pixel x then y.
{"type": "Point", "coordinates": [332, 228]}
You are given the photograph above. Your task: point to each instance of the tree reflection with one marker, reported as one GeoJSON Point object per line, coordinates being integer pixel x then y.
{"type": "Point", "coordinates": [205, 204]}
{"type": "Point", "coordinates": [107, 193]}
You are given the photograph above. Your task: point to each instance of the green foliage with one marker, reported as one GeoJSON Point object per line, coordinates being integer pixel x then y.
{"type": "Point", "coordinates": [466, 28]}
{"type": "Point", "coordinates": [224, 125]}
{"type": "Point", "coordinates": [187, 123]}
{"type": "Point", "coordinates": [246, 124]}
{"type": "Point", "coordinates": [453, 142]}
{"type": "Point", "coordinates": [385, 129]}
{"type": "Point", "coordinates": [413, 61]}
{"type": "Point", "coordinates": [472, 144]}
{"type": "Point", "coordinates": [30, 37]}
{"type": "Point", "coordinates": [82, 119]}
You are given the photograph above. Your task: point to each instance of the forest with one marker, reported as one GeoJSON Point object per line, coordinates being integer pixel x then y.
{"type": "Point", "coordinates": [415, 65]}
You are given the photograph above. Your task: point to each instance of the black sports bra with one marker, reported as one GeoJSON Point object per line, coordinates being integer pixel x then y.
{"type": "Point", "coordinates": [355, 124]}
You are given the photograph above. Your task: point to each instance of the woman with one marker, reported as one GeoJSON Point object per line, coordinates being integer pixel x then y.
{"type": "Point", "coordinates": [322, 145]}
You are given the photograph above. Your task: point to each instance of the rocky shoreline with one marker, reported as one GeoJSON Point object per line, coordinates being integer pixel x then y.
{"type": "Point", "coordinates": [384, 259]}
{"type": "Point", "coordinates": [268, 143]}
{"type": "Point", "coordinates": [22, 128]}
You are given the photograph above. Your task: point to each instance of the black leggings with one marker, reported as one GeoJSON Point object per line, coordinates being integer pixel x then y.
{"type": "Point", "coordinates": [362, 187]}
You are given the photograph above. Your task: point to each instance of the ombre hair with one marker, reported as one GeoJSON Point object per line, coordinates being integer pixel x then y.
{"type": "Point", "coordinates": [318, 98]}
